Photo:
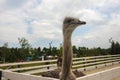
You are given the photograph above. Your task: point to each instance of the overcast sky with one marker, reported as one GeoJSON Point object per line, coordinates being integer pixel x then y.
{"type": "Point", "coordinates": [40, 22]}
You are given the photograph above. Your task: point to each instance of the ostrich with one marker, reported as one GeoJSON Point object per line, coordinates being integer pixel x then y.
{"type": "Point", "coordinates": [69, 25]}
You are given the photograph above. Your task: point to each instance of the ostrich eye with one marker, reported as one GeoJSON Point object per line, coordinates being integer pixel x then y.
{"type": "Point", "coordinates": [68, 21]}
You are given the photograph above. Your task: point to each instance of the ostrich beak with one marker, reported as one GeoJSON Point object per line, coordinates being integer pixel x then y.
{"type": "Point", "coordinates": [81, 22]}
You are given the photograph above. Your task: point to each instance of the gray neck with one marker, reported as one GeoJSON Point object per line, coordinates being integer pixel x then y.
{"type": "Point", "coordinates": [67, 54]}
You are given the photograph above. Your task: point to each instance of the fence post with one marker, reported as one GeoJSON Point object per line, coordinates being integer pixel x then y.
{"type": "Point", "coordinates": [105, 60]}
{"type": "Point", "coordinates": [84, 63]}
{"type": "Point", "coordinates": [112, 60]}
{"type": "Point", "coordinates": [0, 75]}
{"type": "Point", "coordinates": [95, 62]}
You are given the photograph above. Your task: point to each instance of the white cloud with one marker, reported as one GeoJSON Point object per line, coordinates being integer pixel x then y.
{"type": "Point", "coordinates": [46, 30]}
{"type": "Point", "coordinates": [91, 16]}
{"type": "Point", "coordinates": [101, 35]}
{"type": "Point", "coordinates": [44, 19]}
{"type": "Point", "coordinates": [12, 4]}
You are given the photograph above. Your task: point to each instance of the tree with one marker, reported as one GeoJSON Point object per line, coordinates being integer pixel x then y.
{"type": "Point", "coordinates": [44, 50]}
{"type": "Point", "coordinates": [24, 43]}
{"type": "Point", "coordinates": [79, 54]}
{"type": "Point", "coordinates": [12, 57]}
{"type": "Point", "coordinates": [39, 51]}
{"type": "Point", "coordinates": [112, 47]}
{"type": "Point", "coordinates": [54, 51]}
{"type": "Point", "coordinates": [115, 48]}
{"type": "Point", "coordinates": [4, 51]}
{"type": "Point", "coordinates": [25, 46]}
{"type": "Point", "coordinates": [74, 49]}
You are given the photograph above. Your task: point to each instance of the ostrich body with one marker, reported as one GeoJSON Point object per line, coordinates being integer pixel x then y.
{"type": "Point", "coordinates": [69, 25]}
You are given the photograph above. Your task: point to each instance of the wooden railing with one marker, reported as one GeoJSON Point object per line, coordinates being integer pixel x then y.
{"type": "Point", "coordinates": [82, 63]}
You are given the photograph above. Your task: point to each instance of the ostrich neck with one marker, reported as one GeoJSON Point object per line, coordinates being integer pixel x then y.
{"type": "Point", "coordinates": [67, 54]}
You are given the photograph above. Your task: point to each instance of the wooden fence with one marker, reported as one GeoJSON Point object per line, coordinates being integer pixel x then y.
{"type": "Point", "coordinates": [10, 70]}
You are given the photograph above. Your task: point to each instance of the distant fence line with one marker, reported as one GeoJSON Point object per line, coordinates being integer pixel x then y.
{"type": "Point", "coordinates": [82, 63]}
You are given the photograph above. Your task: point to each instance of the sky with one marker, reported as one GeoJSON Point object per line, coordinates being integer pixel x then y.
{"type": "Point", "coordinates": [40, 22]}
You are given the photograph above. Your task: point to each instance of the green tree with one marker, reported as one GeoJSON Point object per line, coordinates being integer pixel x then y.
{"type": "Point", "coordinates": [39, 51]}
{"type": "Point", "coordinates": [74, 49]}
{"type": "Point", "coordinates": [24, 43]}
{"type": "Point", "coordinates": [117, 48]}
{"type": "Point", "coordinates": [112, 47]}
{"type": "Point", "coordinates": [45, 51]}
{"type": "Point", "coordinates": [59, 51]}
{"type": "Point", "coordinates": [5, 51]}
{"type": "Point", "coordinates": [25, 46]}
{"type": "Point", "coordinates": [12, 57]}
{"type": "Point", "coordinates": [79, 54]}
{"type": "Point", "coordinates": [54, 51]}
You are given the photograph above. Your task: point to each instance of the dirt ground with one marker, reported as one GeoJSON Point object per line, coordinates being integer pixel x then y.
{"type": "Point", "coordinates": [101, 69]}
{"type": "Point", "coordinates": [55, 73]}
{"type": "Point", "coordinates": [117, 78]}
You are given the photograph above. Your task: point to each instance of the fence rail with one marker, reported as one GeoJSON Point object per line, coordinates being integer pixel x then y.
{"type": "Point", "coordinates": [82, 63]}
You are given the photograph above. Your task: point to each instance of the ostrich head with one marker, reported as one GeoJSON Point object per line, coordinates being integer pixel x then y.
{"type": "Point", "coordinates": [70, 23]}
